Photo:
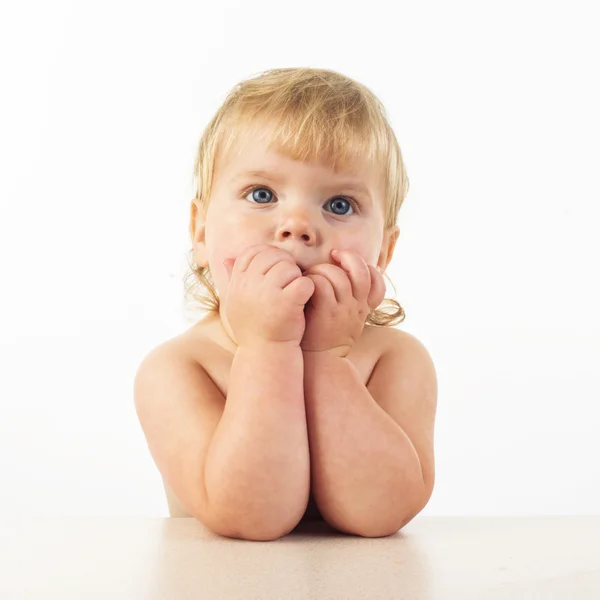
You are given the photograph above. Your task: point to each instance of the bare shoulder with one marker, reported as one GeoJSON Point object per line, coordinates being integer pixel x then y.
{"type": "Point", "coordinates": [170, 348]}
{"type": "Point", "coordinates": [171, 366]}
{"type": "Point", "coordinates": [405, 359]}
{"type": "Point", "coordinates": [184, 347]}
{"type": "Point", "coordinates": [386, 340]}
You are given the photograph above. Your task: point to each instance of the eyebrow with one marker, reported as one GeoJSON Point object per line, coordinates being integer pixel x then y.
{"type": "Point", "coordinates": [356, 186]}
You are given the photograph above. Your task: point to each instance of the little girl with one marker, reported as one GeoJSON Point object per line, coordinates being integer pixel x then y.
{"type": "Point", "coordinates": [294, 397]}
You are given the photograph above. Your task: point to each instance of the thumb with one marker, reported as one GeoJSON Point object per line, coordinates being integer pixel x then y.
{"type": "Point", "coordinates": [377, 291]}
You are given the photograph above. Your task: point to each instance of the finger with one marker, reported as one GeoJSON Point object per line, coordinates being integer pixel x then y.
{"type": "Point", "coordinates": [268, 257]}
{"type": "Point", "coordinates": [243, 259]}
{"type": "Point", "coordinates": [258, 257]}
{"type": "Point", "coordinates": [283, 272]}
{"type": "Point", "coordinates": [357, 270]}
{"type": "Point", "coordinates": [337, 277]}
{"type": "Point", "coordinates": [324, 293]}
{"type": "Point", "coordinates": [300, 290]}
{"type": "Point", "coordinates": [377, 291]}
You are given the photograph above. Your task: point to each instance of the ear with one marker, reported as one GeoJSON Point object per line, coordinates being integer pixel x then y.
{"type": "Point", "coordinates": [198, 233]}
{"type": "Point", "coordinates": [390, 238]}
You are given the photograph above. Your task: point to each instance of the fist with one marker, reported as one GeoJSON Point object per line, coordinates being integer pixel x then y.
{"type": "Point", "coordinates": [345, 293]}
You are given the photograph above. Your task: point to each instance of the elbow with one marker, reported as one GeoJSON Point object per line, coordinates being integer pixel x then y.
{"type": "Point", "coordinates": [371, 530]}
{"type": "Point", "coordinates": [379, 523]}
{"type": "Point", "coordinates": [243, 527]}
{"type": "Point", "coordinates": [253, 521]}
{"type": "Point", "coordinates": [251, 534]}
{"type": "Point", "coordinates": [376, 528]}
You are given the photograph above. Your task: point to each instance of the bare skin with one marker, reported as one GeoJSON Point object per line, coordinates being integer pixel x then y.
{"type": "Point", "coordinates": [208, 343]}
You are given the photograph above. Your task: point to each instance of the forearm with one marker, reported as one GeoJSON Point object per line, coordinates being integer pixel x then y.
{"type": "Point", "coordinates": [257, 472]}
{"type": "Point", "coordinates": [365, 472]}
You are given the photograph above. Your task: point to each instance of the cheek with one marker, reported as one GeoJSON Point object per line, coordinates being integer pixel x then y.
{"type": "Point", "coordinates": [231, 235]}
{"type": "Point", "coordinates": [365, 250]}
{"type": "Point", "coordinates": [222, 238]}
{"type": "Point", "coordinates": [224, 241]}
{"type": "Point", "coordinates": [369, 248]}
{"type": "Point", "coordinates": [218, 251]}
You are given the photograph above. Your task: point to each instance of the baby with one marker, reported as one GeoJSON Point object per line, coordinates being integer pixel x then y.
{"type": "Point", "coordinates": [294, 397]}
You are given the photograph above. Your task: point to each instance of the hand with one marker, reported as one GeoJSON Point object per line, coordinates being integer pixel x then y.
{"type": "Point", "coordinates": [343, 298]}
{"type": "Point", "coordinates": [265, 299]}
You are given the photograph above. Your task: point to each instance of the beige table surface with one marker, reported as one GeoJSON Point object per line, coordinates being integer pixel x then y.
{"type": "Point", "coordinates": [431, 558]}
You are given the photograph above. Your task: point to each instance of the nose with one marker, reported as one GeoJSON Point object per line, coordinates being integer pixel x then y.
{"type": "Point", "coordinates": [296, 226]}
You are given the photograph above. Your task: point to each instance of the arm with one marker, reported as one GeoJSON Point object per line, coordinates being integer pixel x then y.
{"type": "Point", "coordinates": [366, 473]}
{"type": "Point", "coordinates": [257, 471]}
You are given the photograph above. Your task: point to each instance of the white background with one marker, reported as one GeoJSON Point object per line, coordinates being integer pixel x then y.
{"type": "Point", "coordinates": [495, 106]}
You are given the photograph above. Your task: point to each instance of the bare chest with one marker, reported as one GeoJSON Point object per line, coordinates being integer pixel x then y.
{"type": "Point", "coordinates": [217, 361]}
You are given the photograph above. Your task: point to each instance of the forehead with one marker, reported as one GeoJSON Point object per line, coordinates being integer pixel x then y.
{"type": "Point", "coordinates": [252, 153]}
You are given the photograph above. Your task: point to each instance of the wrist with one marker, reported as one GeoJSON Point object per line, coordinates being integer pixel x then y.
{"type": "Point", "coordinates": [262, 346]}
{"type": "Point", "coordinates": [337, 352]}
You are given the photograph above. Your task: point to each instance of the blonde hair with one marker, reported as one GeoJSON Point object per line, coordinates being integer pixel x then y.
{"type": "Point", "coordinates": [309, 114]}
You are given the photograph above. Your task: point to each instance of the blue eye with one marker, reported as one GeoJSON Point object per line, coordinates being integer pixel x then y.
{"type": "Point", "coordinates": [259, 195]}
{"type": "Point", "coordinates": [336, 203]}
